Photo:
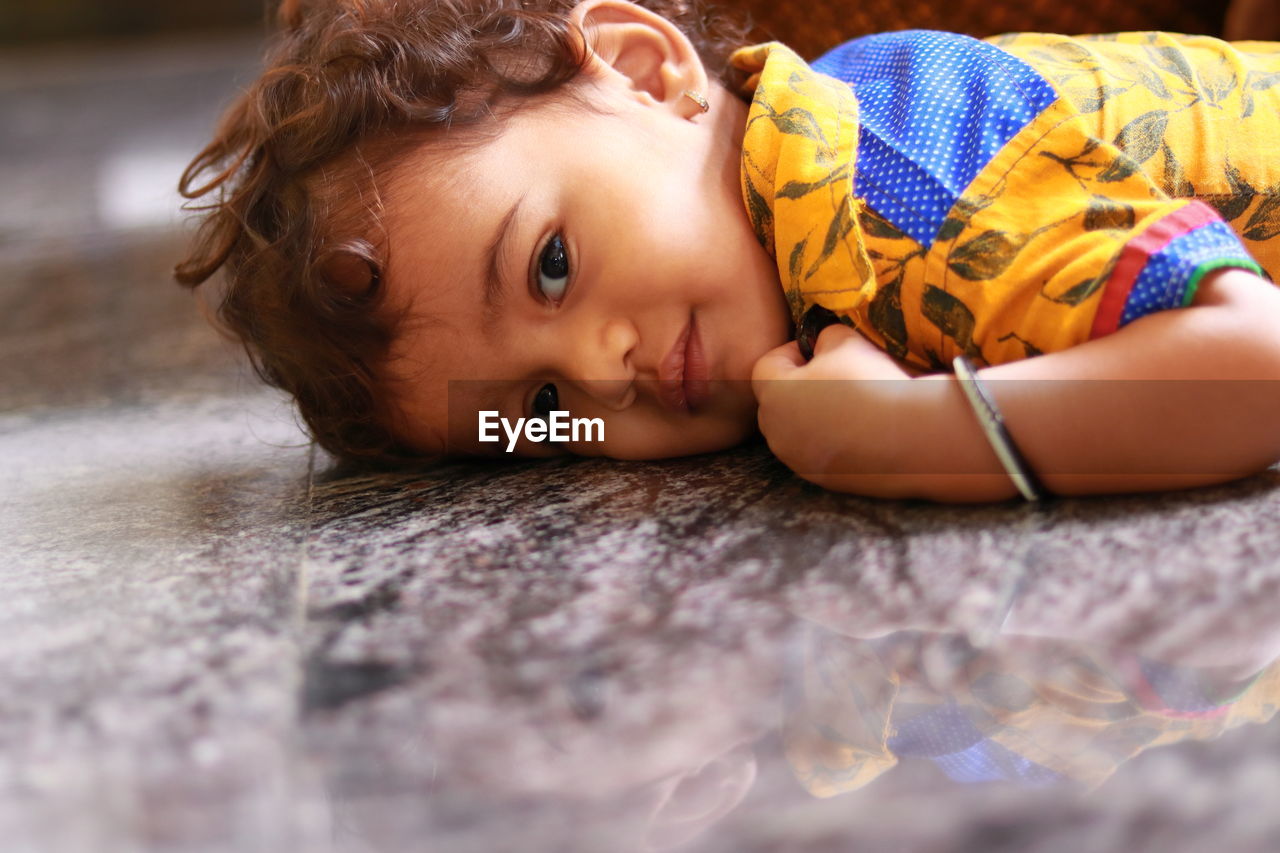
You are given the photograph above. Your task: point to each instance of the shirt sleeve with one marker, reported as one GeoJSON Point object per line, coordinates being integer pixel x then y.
{"type": "Point", "coordinates": [1000, 225]}
{"type": "Point", "coordinates": [1161, 266]}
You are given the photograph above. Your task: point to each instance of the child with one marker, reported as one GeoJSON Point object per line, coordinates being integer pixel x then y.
{"type": "Point", "coordinates": [432, 210]}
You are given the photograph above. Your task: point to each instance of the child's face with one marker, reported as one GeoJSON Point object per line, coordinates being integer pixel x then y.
{"type": "Point", "coordinates": [599, 262]}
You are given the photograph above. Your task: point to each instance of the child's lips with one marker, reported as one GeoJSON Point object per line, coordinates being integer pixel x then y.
{"type": "Point", "coordinates": [683, 376]}
{"type": "Point", "coordinates": [697, 378]}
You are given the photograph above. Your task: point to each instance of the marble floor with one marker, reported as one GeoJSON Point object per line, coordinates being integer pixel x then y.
{"type": "Point", "coordinates": [215, 642]}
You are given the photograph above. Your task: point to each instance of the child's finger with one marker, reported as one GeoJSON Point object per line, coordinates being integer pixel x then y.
{"type": "Point", "coordinates": [832, 336]}
{"type": "Point", "coordinates": [777, 363]}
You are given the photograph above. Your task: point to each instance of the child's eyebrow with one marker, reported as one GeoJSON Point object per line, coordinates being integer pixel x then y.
{"type": "Point", "coordinates": [493, 283]}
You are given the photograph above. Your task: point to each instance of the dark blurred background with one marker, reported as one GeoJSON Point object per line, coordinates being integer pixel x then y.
{"type": "Point", "coordinates": [806, 24]}
{"type": "Point", "coordinates": [24, 21]}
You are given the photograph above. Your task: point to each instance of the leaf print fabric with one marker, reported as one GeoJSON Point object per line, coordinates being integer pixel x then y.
{"type": "Point", "coordinates": [855, 708]}
{"type": "Point", "coordinates": [1200, 116]}
{"type": "Point", "coordinates": [1033, 196]}
{"type": "Point", "coordinates": [797, 162]}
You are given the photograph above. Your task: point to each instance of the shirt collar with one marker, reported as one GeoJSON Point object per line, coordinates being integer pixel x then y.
{"type": "Point", "coordinates": [798, 158]}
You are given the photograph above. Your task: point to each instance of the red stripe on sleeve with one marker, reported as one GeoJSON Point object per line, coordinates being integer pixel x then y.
{"type": "Point", "coordinates": [1134, 256]}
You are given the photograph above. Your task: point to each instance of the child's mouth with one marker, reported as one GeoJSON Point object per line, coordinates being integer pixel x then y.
{"type": "Point", "coordinates": [683, 383]}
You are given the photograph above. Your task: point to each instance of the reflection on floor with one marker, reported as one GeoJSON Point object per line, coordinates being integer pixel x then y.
{"type": "Point", "coordinates": [214, 643]}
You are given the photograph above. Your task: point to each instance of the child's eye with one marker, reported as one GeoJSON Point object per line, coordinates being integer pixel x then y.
{"type": "Point", "coordinates": [546, 401]}
{"type": "Point", "coordinates": [553, 269]}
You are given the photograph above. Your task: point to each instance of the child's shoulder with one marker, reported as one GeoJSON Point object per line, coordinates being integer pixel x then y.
{"type": "Point", "coordinates": [913, 63]}
{"type": "Point", "coordinates": [900, 50]}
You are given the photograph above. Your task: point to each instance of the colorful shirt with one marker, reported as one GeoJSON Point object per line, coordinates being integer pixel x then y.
{"type": "Point", "coordinates": [1028, 711]}
{"type": "Point", "coordinates": [1006, 199]}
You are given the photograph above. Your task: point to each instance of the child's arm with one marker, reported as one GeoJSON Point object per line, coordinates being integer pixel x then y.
{"type": "Point", "coordinates": [920, 438]}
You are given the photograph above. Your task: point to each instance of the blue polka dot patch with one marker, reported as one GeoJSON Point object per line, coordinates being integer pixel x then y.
{"type": "Point", "coordinates": [992, 762]}
{"type": "Point", "coordinates": [935, 108]}
{"type": "Point", "coordinates": [1163, 281]}
{"type": "Point", "coordinates": [947, 735]}
{"type": "Point", "coordinates": [1180, 689]}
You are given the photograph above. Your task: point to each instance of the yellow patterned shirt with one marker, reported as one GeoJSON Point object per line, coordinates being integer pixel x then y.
{"type": "Point", "coordinates": [1009, 198]}
{"type": "Point", "coordinates": [1029, 711]}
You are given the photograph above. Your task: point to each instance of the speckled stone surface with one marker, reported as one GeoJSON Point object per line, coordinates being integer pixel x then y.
{"type": "Point", "coordinates": [214, 642]}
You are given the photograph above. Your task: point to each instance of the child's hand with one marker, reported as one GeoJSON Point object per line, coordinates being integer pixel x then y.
{"type": "Point", "coordinates": [840, 353]}
{"type": "Point", "coordinates": [841, 422]}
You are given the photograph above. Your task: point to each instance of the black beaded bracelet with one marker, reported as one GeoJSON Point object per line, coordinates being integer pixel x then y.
{"type": "Point", "coordinates": [1015, 465]}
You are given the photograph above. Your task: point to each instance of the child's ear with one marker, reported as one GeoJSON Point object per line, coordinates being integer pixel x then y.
{"type": "Point", "coordinates": [642, 50]}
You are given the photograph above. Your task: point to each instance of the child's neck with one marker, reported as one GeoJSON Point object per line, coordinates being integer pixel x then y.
{"type": "Point", "coordinates": [728, 116]}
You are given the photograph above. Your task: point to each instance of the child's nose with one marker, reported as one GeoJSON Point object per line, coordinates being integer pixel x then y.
{"type": "Point", "coordinates": [600, 362]}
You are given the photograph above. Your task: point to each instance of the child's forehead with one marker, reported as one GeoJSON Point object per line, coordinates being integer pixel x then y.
{"type": "Point", "coordinates": [543, 126]}
{"type": "Point", "coordinates": [359, 196]}
{"type": "Point", "coordinates": [376, 165]}
{"type": "Point", "coordinates": [462, 185]}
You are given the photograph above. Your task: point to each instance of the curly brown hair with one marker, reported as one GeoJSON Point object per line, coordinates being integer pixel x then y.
{"type": "Point", "coordinates": [348, 87]}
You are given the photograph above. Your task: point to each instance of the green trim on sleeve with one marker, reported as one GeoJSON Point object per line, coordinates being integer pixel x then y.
{"type": "Point", "coordinates": [1193, 281]}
